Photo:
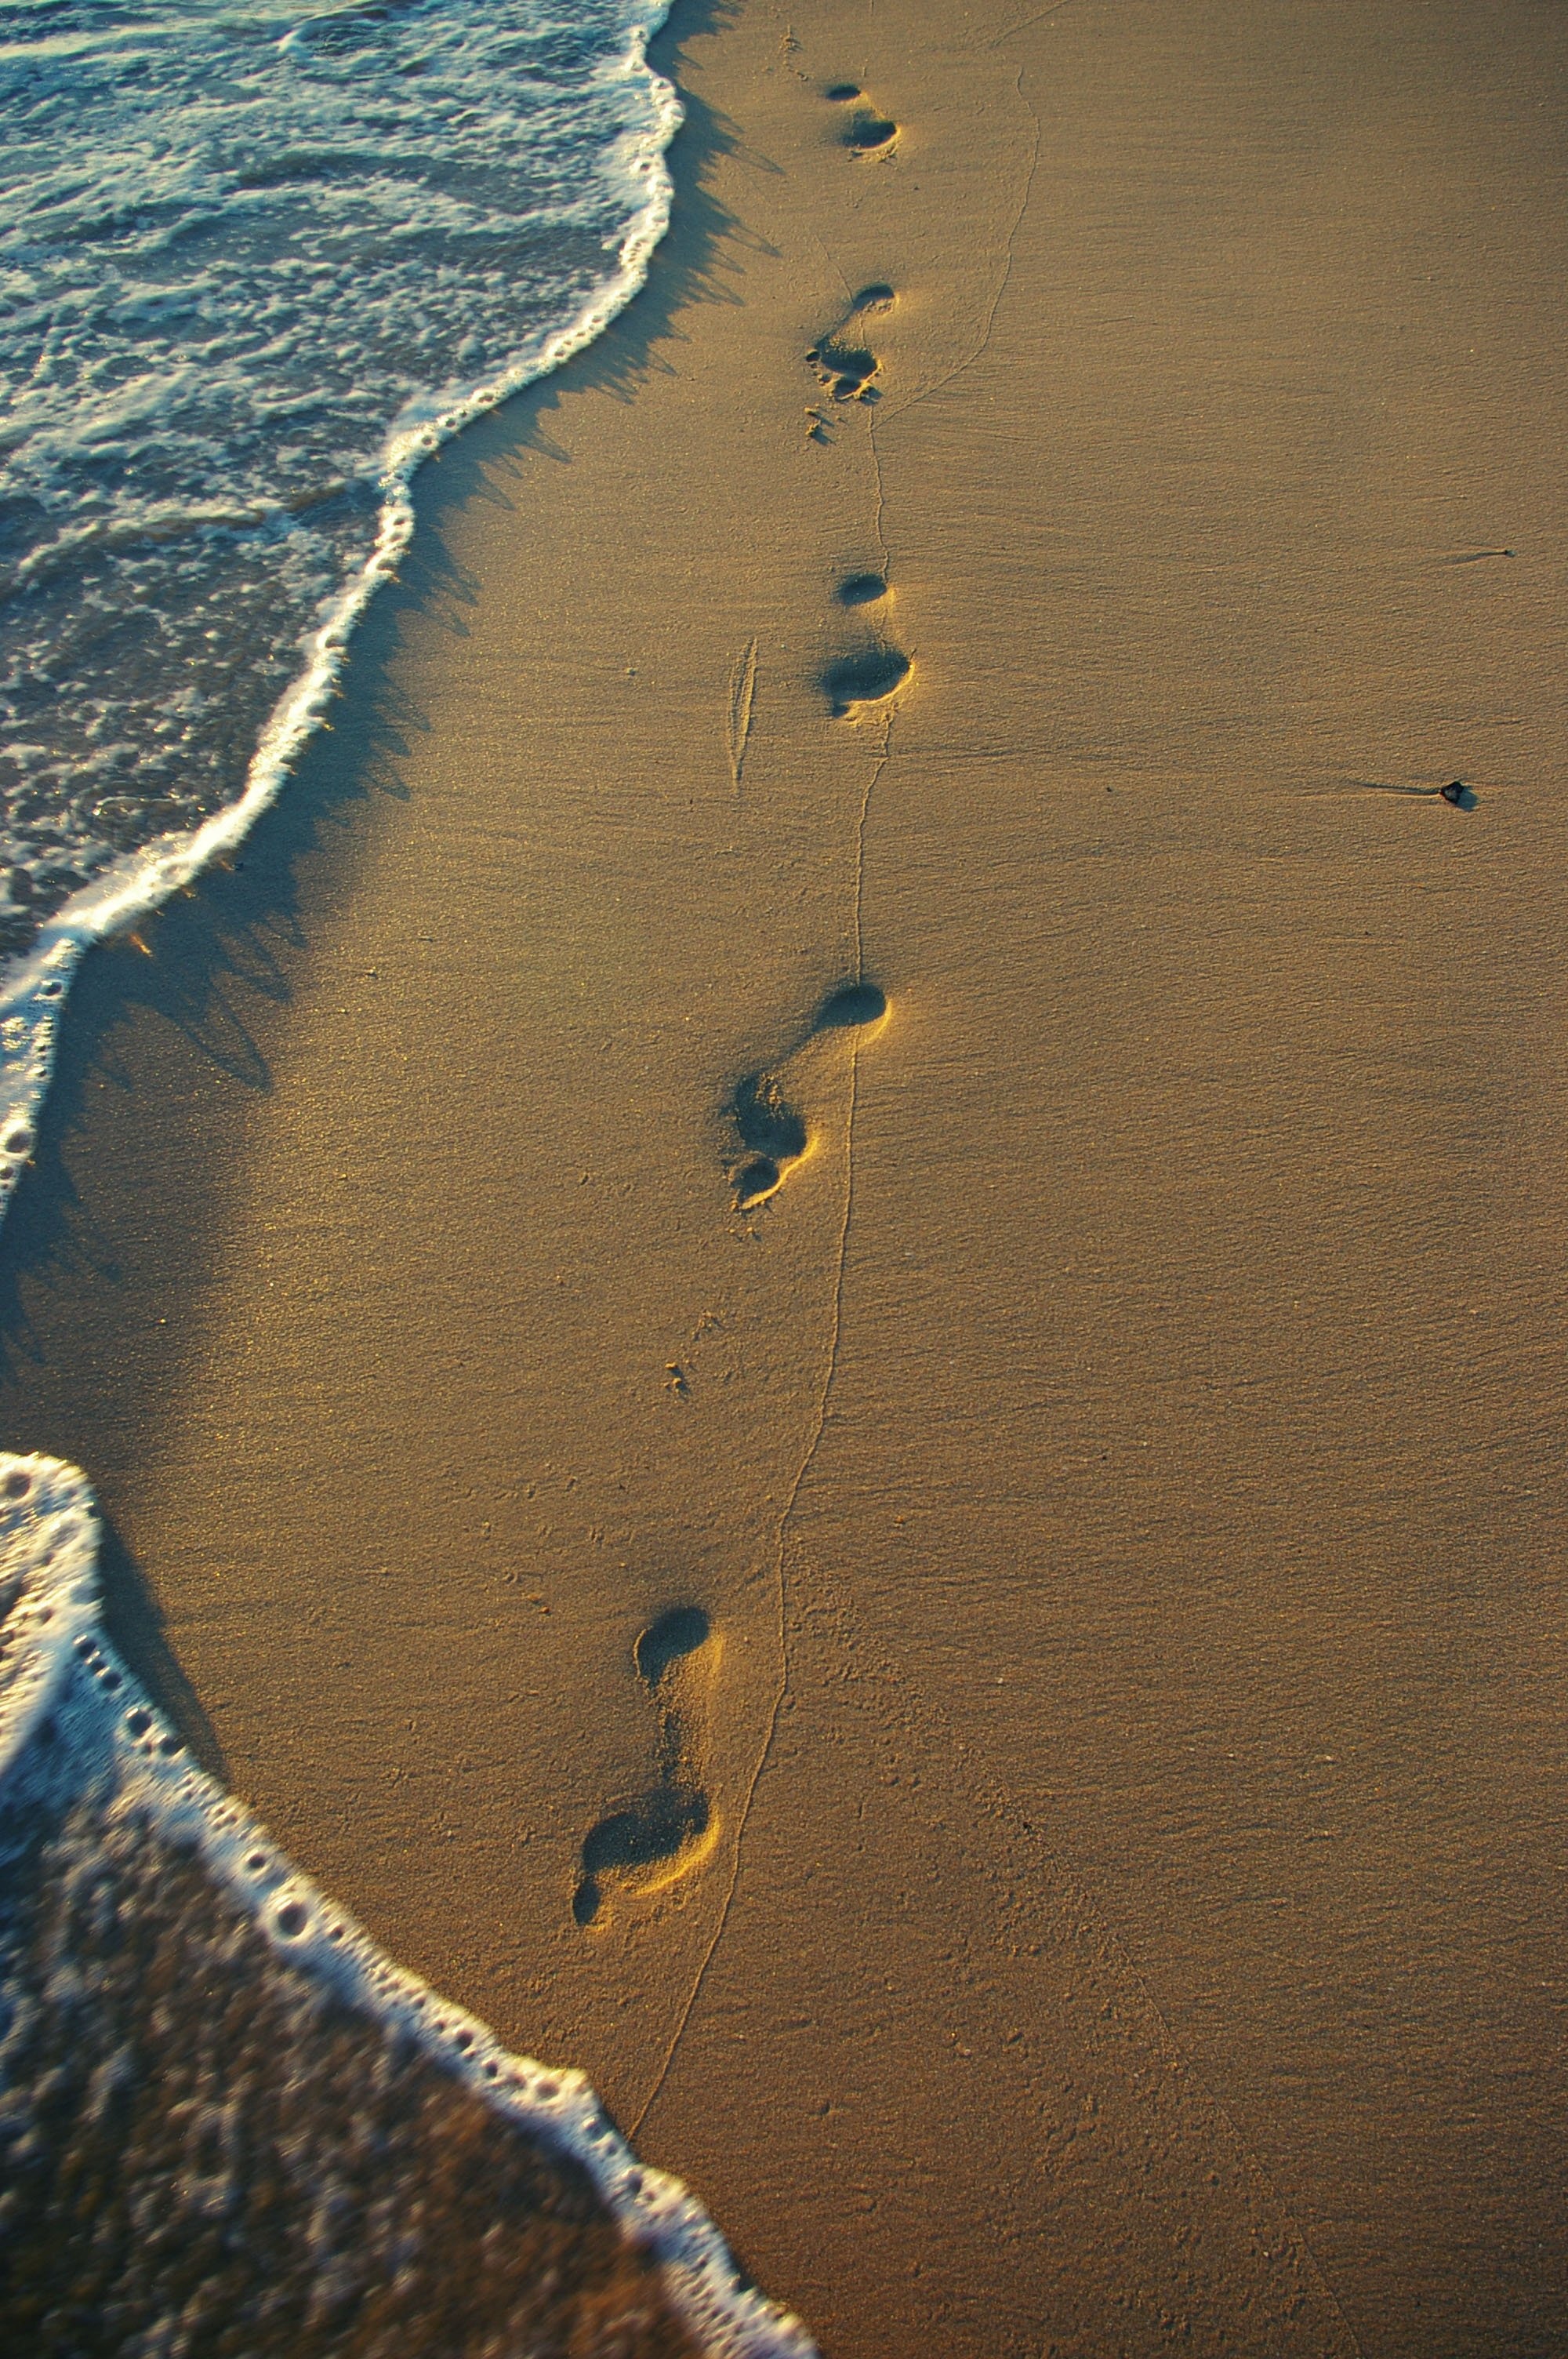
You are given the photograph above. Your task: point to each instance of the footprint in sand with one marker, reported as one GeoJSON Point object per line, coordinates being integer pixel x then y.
{"type": "Point", "coordinates": [868, 678]}
{"type": "Point", "coordinates": [661, 1835]}
{"type": "Point", "coordinates": [773, 1135]}
{"type": "Point", "coordinates": [868, 131]}
{"type": "Point", "coordinates": [844, 364]}
{"type": "Point", "coordinates": [869, 674]}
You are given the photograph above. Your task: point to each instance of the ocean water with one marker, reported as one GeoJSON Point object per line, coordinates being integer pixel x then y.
{"type": "Point", "coordinates": [228, 2124]}
{"type": "Point", "coordinates": [255, 262]}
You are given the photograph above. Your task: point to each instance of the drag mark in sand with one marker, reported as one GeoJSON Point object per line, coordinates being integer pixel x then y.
{"type": "Point", "coordinates": [1001, 286]}
{"type": "Point", "coordinates": [1024, 23]}
{"type": "Point", "coordinates": [743, 691]}
{"type": "Point", "coordinates": [882, 759]}
{"type": "Point", "coordinates": [1455, 794]}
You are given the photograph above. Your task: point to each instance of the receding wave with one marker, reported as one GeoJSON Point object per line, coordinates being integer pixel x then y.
{"type": "Point", "coordinates": [256, 263]}
{"type": "Point", "coordinates": [227, 2123]}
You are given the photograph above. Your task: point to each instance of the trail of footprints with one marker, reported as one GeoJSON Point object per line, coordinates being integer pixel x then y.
{"type": "Point", "coordinates": [648, 1841]}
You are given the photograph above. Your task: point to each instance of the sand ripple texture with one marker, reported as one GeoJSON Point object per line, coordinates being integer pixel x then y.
{"type": "Point", "coordinates": [227, 2123]}
{"type": "Point", "coordinates": [255, 261]}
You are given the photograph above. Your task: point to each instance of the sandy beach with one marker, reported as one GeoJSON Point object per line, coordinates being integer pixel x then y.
{"type": "Point", "coordinates": [848, 1402]}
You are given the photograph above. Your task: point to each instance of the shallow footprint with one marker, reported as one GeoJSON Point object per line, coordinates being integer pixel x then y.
{"type": "Point", "coordinates": [868, 132]}
{"type": "Point", "coordinates": [659, 1835]}
{"type": "Point", "coordinates": [845, 366]}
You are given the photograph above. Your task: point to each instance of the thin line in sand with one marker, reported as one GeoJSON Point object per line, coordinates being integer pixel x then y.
{"type": "Point", "coordinates": [742, 693]}
{"type": "Point", "coordinates": [1134, 1978]}
{"type": "Point", "coordinates": [1091, 1916]}
{"type": "Point", "coordinates": [1024, 23]}
{"type": "Point", "coordinates": [812, 1444]}
{"type": "Point", "coordinates": [971, 358]}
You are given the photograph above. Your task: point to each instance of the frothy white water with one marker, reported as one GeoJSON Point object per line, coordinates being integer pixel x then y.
{"type": "Point", "coordinates": [256, 262]}
{"type": "Point", "coordinates": [75, 1730]}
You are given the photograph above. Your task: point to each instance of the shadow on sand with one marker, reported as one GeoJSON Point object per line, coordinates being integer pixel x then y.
{"type": "Point", "coordinates": [84, 1363]}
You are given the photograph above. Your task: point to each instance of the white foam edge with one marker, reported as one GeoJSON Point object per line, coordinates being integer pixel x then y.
{"type": "Point", "coordinates": [59, 1665]}
{"type": "Point", "coordinates": [33, 987]}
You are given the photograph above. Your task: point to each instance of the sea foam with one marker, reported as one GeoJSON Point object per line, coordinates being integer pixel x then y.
{"type": "Point", "coordinates": [121, 1838]}
{"type": "Point", "coordinates": [256, 262]}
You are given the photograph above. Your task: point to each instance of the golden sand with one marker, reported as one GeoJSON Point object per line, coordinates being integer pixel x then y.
{"type": "Point", "coordinates": [1119, 1466]}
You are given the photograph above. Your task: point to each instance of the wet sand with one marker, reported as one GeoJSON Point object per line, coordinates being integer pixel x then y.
{"type": "Point", "coordinates": [1084, 1877]}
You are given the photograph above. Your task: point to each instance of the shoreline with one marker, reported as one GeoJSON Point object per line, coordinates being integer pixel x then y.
{"type": "Point", "coordinates": [1115, 1641]}
{"type": "Point", "coordinates": [136, 885]}
{"type": "Point", "coordinates": [98, 1798]}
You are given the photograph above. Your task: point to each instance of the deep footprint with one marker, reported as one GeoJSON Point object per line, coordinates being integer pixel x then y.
{"type": "Point", "coordinates": [852, 1005]}
{"type": "Point", "coordinates": [770, 1126]}
{"type": "Point", "coordinates": [844, 371]}
{"type": "Point", "coordinates": [641, 1842]}
{"type": "Point", "coordinates": [865, 679]}
{"type": "Point", "coordinates": [871, 135]}
{"type": "Point", "coordinates": [767, 1123]}
{"type": "Point", "coordinates": [861, 589]}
